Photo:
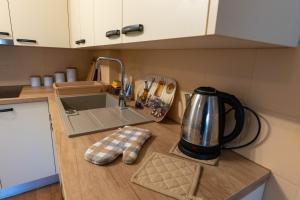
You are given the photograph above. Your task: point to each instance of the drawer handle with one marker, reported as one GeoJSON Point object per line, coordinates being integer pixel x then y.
{"type": "Point", "coordinates": [4, 33]}
{"type": "Point", "coordinates": [112, 33]}
{"type": "Point", "coordinates": [82, 41]}
{"type": "Point", "coordinates": [27, 41]}
{"type": "Point", "coordinates": [133, 28]}
{"type": "Point", "coordinates": [6, 110]}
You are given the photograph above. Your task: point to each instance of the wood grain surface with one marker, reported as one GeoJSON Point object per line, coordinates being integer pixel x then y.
{"type": "Point", "coordinates": [234, 176]}
{"type": "Point", "coordinates": [51, 192]}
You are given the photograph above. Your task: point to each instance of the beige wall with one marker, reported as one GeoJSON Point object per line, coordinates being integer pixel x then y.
{"type": "Point", "coordinates": [17, 64]}
{"type": "Point", "coordinates": [266, 80]}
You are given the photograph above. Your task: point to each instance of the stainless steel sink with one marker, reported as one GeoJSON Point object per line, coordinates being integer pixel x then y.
{"type": "Point", "coordinates": [10, 91]}
{"type": "Point", "coordinates": [94, 113]}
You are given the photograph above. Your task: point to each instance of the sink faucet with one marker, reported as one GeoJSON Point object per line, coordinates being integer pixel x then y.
{"type": "Point", "coordinates": [122, 102]}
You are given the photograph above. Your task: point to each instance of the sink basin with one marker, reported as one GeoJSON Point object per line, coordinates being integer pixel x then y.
{"type": "Point", "coordinates": [79, 103]}
{"type": "Point", "coordinates": [10, 91]}
{"type": "Point", "coordinates": [94, 113]}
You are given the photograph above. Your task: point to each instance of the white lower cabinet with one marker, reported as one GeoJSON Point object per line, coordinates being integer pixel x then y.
{"type": "Point", "coordinates": [256, 194]}
{"type": "Point", "coordinates": [26, 148]}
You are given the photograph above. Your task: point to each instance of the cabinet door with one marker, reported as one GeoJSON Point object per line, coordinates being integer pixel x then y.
{"type": "Point", "coordinates": [5, 27]}
{"type": "Point", "coordinates": [74, 22]}
{"type": "Point", "coordinates": [164, 19]}
{"type": "Point", "coordinates": [40, 23]}
{"type": "Point", "coordinates": [108, 21]}
{"type": "Point", "coordinates": [87, 22]}
{"type": "Point", "coordinates": [26, 151]}
{"type": "Point", "coordinates": [81, 17]}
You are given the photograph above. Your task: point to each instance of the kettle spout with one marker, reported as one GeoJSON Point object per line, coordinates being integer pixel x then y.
{"type": "Point", "coordinates": [187, 97]}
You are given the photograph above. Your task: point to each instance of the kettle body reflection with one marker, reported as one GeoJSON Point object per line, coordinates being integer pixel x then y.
{"type": "Point", "coordinates": [202, 129]}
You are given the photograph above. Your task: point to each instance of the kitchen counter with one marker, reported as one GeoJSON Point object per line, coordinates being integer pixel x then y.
{"type": "Point", "coordinates": [234, 176]}
{"type": "Point", "coordinates": [29, 94]}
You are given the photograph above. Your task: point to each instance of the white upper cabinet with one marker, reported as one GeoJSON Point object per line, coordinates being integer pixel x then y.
{"type": "Point", "coordinates": [74, 22]}
{"type": "Point", "coordinates": [151, 23]}
{"type": "Point", "coordinates": [87, 21]}
{"type": "Point", "coordinates": [40, 23]}
{"type": "Point", "coordinates": [5, 26]}
{"type": "Point", "coordinates": [185, 23]}
{"type": "Point", "coordinates": [163, 19]}
{"type": "Point", "coordinates": [212, 23]}
{"type": "Point", "coordinates": [81, 16]}
{"type": "Point", "coordinates": [108, 21]}
{"type": "Point", "coordinates": [268, 21]}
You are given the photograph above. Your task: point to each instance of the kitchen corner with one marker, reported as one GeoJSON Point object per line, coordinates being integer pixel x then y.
{"type": "Point", "coordinates": [233, 178]}
{"type": "Point", "coordinates": [174, 99]}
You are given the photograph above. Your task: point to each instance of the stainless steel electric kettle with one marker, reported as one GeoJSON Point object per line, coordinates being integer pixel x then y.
{"type": "Point", "coordinates": [202, 130]}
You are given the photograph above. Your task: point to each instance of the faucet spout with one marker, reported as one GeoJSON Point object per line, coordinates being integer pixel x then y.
{"type": "Point", "coordinates": [122, 102]}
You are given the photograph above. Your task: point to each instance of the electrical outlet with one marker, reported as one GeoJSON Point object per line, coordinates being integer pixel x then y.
{"type": "Point", "coordinates": [185, 98]}
{"type": "Point", "coordinates": [181, 105]}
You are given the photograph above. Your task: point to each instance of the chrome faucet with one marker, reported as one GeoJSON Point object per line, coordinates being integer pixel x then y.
{"type": "Point", "coordinates": [122, 102]}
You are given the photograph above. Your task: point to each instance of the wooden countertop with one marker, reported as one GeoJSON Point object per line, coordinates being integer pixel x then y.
{"type": "Point", "coordinates": [29, 94]}
{"type": "Point", "coordinates": [234, 176]}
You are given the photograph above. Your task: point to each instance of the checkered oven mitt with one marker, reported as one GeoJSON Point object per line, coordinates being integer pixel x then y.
{"type": "Point", "coordinates": [127, 141]}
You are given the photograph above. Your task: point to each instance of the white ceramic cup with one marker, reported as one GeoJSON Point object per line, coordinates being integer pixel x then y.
{"type": "Point", "coordinates": [59, 77]}
{"type": "Point", "coordinates": [71, 74]}
{"type": "Point", "coordinates": [48, 81]}
{"type": "Point", "coordinates": [35, 81]}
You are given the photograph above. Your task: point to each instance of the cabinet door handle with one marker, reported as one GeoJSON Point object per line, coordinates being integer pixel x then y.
{"type": "Point", "coordinates": [82, 41]}
{"type": "Point", "coordinates": [112, 33]}
{"type": "Point", "coordinates": [27, 41]}
{"type": "Point", "coordinates": [4, 33]}
{"type": "Point", "coordinates": [6, 110]}
{"type": "Point", "coordinates": [133, 28]}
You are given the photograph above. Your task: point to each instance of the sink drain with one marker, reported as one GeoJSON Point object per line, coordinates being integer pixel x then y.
{"type": "Point", "coordinates": [71, 112]}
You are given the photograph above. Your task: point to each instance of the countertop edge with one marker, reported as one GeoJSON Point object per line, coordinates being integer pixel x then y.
{"type": "Point", "coordinates": [22, 100]}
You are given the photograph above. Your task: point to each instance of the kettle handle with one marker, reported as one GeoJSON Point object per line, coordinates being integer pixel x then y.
{"type": "Point", "coordinates": [239, 116]}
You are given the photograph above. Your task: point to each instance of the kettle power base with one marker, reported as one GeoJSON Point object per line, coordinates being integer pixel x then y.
{"type": "Point", "coordinates": [199, 152]}
{"type": "Point", "coordinates": [175, 151]}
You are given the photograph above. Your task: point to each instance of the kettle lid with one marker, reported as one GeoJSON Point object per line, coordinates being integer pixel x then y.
{"type": "Point", "coordinates": [206, 91]}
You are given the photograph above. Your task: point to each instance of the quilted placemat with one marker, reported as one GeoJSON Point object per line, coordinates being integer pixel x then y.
{"type": "Point", "coordinates": [175, 150]}
{"type": "Point", "coordinates": [170, 176]}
